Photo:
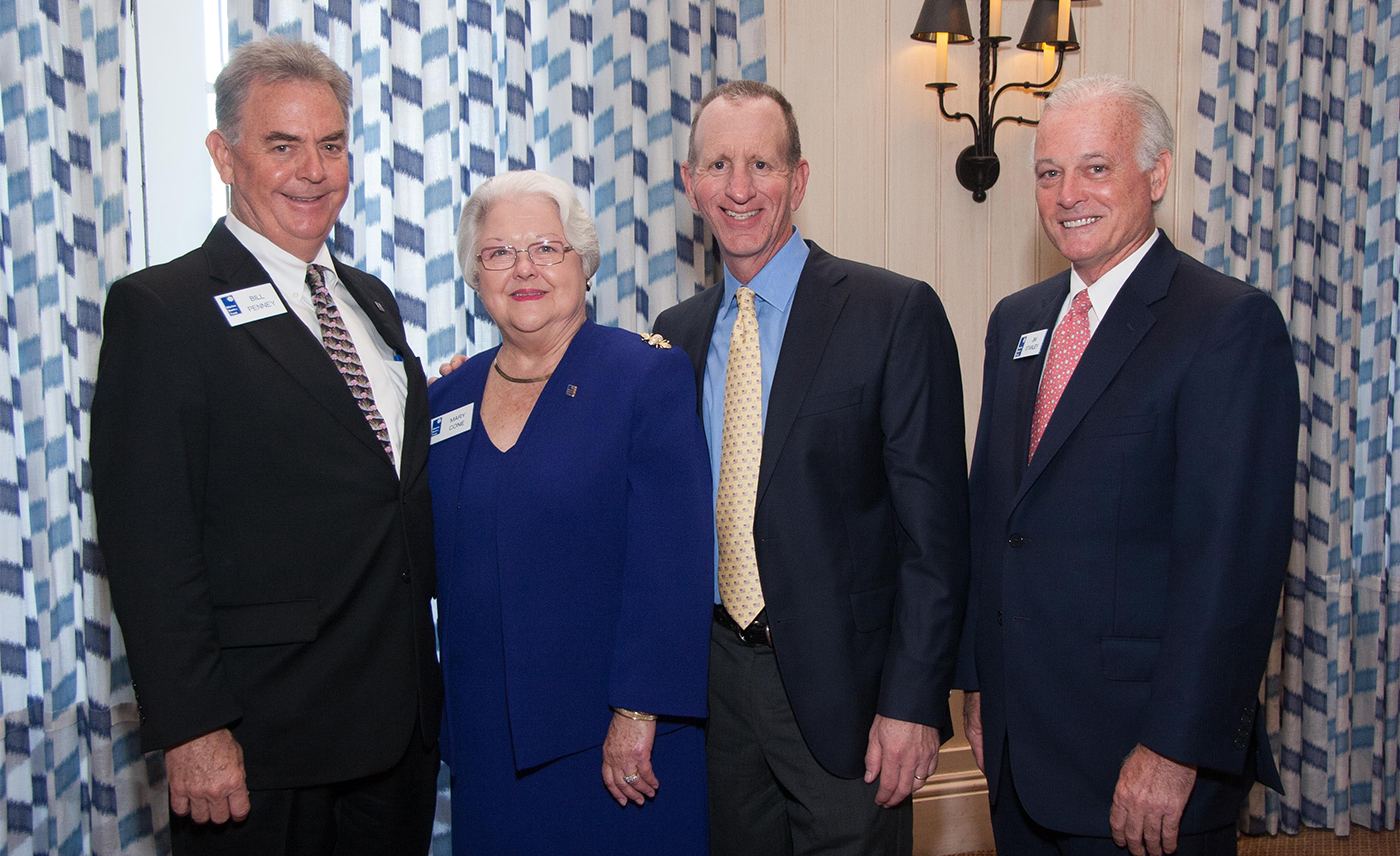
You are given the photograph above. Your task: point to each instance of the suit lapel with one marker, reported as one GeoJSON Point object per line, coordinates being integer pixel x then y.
{"type": "Point", "coordinates": [1118, 334]}
{"type": "Point", "coordinates": [374, 309]}
{"type": "Point", "coordinates": [694, 339]}
{"type": "Point", "coordinates": [815, 307]}
{"type": "Point", "coordinates": [286, 339]}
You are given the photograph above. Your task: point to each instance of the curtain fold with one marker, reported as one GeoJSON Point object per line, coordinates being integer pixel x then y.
{"type": "Point", "coordinates": [447, 94]}
{"type": "Point", "coordinates": [74, 778]}
{"type": "Point", "coordinates": [1295, 192]}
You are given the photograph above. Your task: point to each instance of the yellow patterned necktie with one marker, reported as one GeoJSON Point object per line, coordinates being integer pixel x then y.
{"type": "Point", "coordinates": [741, 447]}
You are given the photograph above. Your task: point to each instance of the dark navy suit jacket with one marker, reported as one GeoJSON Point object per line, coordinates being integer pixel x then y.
{"type": "Point", "coordinates": [861, 523]}
{"type": "Point", "coordinates": [605, 542]}
{"type": "Point", "coordinates": [1125, 582]}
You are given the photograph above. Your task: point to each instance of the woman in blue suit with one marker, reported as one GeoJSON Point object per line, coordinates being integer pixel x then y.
{"type": "Point", "coordinates": [574, 533]}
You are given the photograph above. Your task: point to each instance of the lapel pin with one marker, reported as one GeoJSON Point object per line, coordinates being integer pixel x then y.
{"type": "Point", "coordinates": [571, 390]}
{"type": "Point", "coordinates": [379, 306]}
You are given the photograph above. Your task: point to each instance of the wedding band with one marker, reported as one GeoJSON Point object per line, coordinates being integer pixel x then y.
{"type": "Point", "coordinates": [921, 778]}
{"type": "Point", "coordinates": [630, 779]}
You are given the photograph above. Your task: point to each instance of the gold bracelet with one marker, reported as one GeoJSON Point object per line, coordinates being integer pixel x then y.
{"type": "Point", "coordinates": [635, 714]}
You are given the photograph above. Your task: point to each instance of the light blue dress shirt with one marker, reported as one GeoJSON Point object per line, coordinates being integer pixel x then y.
{"type": "Point", "coordinates": [773, 287]}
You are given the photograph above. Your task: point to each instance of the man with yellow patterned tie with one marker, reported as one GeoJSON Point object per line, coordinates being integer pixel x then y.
{"type": "Point", "coordinates": [832, 404]}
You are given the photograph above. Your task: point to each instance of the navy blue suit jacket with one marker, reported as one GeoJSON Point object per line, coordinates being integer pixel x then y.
{"type": "Point", "coordinates": [1125, 582]}
{"type": "Point", "coordinates": [605, 542]}
{"type": "Point", "coordinates": [861, 523]}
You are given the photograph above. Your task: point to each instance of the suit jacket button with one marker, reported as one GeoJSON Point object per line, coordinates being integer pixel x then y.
{"type": "Point", "coordinates": [998, 618]}
{"type": "Point", "coordinates": [1016, 540]}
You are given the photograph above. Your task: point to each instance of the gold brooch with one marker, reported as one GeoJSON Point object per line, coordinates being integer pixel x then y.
{"type": "Point", "coordinates": [656, 340]}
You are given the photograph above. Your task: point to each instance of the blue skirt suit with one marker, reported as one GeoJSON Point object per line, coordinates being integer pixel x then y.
{"type": "Point", "coordinates": [574, 575]}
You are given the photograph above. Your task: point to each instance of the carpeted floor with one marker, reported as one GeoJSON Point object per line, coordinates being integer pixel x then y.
{"type": "Point", "coordinates": [1310, 842]}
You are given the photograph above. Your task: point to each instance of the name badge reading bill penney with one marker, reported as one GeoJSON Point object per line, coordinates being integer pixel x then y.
{"type": "Point", "coordinates": [1030, 344]}
{"type": "Point", "coordinates": [451, 423]}
{"type": "Point", "coordinates": [250, 304]}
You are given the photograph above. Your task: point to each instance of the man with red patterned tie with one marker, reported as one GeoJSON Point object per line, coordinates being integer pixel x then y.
{"type": "Point", "coordinates": [1132, 513]}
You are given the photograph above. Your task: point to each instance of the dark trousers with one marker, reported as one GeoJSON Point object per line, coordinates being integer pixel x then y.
{"type": "Point", "coordinates": [768, 795]}
{"type": "Point", "coordinates": [1018, 835]}
{"type": "Point", "coordinates": [385, 813]}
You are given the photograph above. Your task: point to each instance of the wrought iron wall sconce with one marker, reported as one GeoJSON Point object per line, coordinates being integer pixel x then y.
{"type": "Point", "coordinates": [1049, 29]}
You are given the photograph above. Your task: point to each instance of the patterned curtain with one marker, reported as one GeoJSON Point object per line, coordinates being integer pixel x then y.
{"type": "Point", "coordinates": [74, 778]}
{"type": "Point", "coordinates": [449, 93]}
{"type": "Point", "coordinates": [1296, 172]}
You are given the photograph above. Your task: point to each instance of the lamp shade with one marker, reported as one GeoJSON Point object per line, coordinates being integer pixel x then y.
{"type": "Point", "coordinates": [944, 16]}
{"type": "Point", "coordinates": [1041, 25]}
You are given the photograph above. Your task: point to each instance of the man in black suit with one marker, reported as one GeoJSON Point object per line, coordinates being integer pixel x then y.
{"type": "Point", "coordinates": [260, 436]}
{"type": "Point", "coordinates": [1132, 505]}
{"type": "Point", "coordinates": [828, 706]}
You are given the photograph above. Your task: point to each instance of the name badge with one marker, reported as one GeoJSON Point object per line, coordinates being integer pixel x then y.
{"type": "Point", "coordinates": [250, 304]}
{"type": "Point", "coordinates": [1030, 344]}
{"type": "Point", "coordinates": [451, 423]}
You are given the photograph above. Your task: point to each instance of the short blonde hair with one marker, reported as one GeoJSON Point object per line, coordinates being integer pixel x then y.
{"type": "Point", "coordinates": [579, 230]}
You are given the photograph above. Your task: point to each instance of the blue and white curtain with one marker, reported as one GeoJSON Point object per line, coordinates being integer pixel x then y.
{"type": "Point", "coordinates": [1296, 172]}
{"type": "Point", "coordinates": [451, 92]}
{"type": "Point", "coordinates": [74, 778]}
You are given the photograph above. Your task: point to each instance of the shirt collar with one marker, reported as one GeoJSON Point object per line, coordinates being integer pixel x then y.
{"type": "Point", "coordinates": [1106, 287]}
{"type": "Point", "coordinates": [776, 282]}
{"type": "Point", "coordinates": [287, 271]}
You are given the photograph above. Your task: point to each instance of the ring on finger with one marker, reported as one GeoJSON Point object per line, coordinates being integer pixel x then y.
{"type": "Point", "coordinates": [630, 779]}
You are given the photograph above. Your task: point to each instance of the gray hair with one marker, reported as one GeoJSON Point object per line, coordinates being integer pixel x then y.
{"type": "Point", "coordinates": [744, 90]}
{"type": "Point", "coordinates": [579, 230]}
{"type": "Point", "coordinates": [273, 60]}
{"type": "Point", "coordinates": [1155, 133]}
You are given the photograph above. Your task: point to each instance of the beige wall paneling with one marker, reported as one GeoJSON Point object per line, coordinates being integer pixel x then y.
{"type": "Point", "coordinates": [859, 129]}
{"type": "Point", "coordinates": [916, 170]}
{"type": "Point", "coordinates": [809, 79]}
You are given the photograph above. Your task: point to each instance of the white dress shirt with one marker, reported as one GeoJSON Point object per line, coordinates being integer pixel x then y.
{"type": "Point", "coordinates": [383, 367]}
{"type": "Point", "coordinates": [1106, 287]}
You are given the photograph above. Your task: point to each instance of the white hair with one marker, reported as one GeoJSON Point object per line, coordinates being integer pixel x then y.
{"type": "Point", "coordinates": [579, 230]}
{"type": "Point", "coordinates": [1155, 133]}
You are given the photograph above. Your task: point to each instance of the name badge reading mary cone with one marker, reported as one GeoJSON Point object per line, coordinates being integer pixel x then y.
{"type": "Point", "coordinates": [250, 304]}
{"type": "Point", "coordinates": [451, 423]}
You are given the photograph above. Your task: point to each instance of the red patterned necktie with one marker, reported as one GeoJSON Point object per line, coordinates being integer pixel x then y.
{"type": "Point", "coordinates": [342, 350]}
{"type": "Point", "coordinates": [1066, 347]}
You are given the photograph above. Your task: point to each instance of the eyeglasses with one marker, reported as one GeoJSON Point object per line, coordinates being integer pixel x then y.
{"type": "Point", "coordinates": [540, 252]}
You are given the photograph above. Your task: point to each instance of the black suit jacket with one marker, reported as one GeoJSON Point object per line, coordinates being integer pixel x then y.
{"type": "Point", "coordinates": [1125, 582]}
{"type": "Point", "coordinates": [861, 522]}
{"type": "Point", "coordinates": [270, 571]}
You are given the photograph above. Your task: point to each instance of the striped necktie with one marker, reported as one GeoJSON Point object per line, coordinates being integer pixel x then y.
{"type": "Point", "coordinates": [341, 348]}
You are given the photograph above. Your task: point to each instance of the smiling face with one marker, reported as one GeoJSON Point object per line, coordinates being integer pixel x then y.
{"type": "Point", "coordinates": [741, 183]}
{"type": "Point", "coordinates": [529, 298]}
{"type": "Point", "coordinates": [1095, 202]}
{"type": "Point", "coordinates": [288, 174]}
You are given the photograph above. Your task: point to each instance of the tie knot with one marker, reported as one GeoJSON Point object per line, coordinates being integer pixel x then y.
{"type": "Point", "coordinates": [314, 278]}
{"type": "Point", "coordinates": [1081, 303]}
{"type": "Point", "coordinates": [745, 296]}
